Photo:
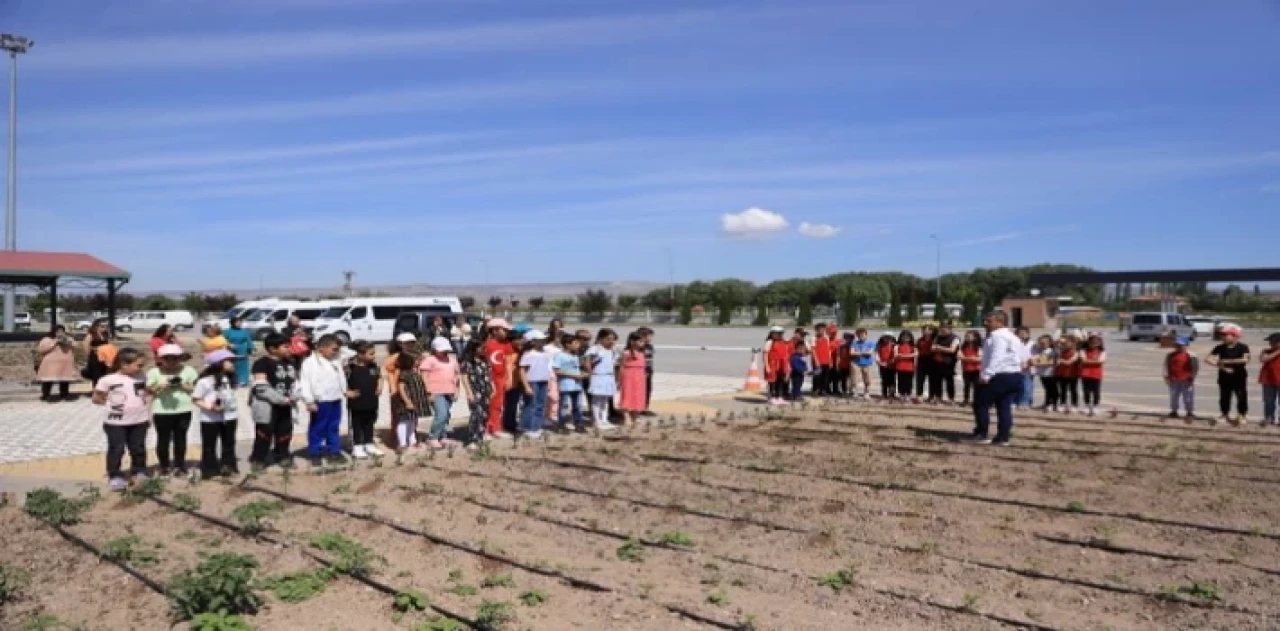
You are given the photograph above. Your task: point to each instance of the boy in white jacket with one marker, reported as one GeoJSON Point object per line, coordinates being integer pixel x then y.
{"type": "Point", "coordinates": [322, 385]}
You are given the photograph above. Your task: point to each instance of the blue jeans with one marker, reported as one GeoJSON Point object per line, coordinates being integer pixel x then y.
{"type": "Point", "coordinates": [1028, 390]}
{"type": "Point", "coordinates": [1270, 400]}
{"type": "Point", "coordinates": [1001, 391]}
{"type": "Point", "coordinates": [322, 433]}
{"type": "Point", "coordinates": [443, 404]}
{"type": "Point", "coordinates": [571, 401]}
{"type": "Point", "coordinates": [535, 407]}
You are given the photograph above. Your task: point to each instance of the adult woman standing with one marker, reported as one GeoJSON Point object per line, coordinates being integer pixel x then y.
{"type": "Point", "coordinates": [240, 343]}
{"type": "Point", "coordinates": [57, 364]}
{"type": "Point", "coordinates": [476, 376]}
{"type": "Point", "coordinates": [162, 335]}
{"type": "Point", "coordinates": [99, 351]}
{"type": "Point", "coordinates": [213, 340]}
{"type": "Point", "coordinates": [555, 329]}
{"type": "Point", "coordinates": [1231, 358]}
{"type": "Point", "coordinates": [459, 333]}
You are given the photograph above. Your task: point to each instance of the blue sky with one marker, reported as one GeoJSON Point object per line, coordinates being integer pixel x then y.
{"type": "Point", "coordinates": [206, 143]}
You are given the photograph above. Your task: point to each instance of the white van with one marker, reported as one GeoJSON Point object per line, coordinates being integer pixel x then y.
{"type": "Point", "coordinates": [374, 319]}
{"type": "Point", "coordinates": [1156, 324]}
{"type": "Point", "coordinates": [152, 320]}
{"type": "Point", "coordinates": [272, 317]}
{"type": "Point", "coordinates": [239, 311]}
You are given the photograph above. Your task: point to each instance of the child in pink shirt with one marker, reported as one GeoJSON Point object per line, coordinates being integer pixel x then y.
{"type": "Point", "coordinates": [440, 373]}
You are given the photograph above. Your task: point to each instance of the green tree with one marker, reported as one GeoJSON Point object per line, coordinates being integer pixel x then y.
{"type": "Point", "coordinates": [595, 302]}
{"type": "Point", "coordinates": [536, 302]}
{"type": "Point", "coordinates": [913, 307]}
{"type": "Point", "coordinates": [627, 302]}
{"type": "Point", "coordinates": [467, 302]}
{"type": "Point", "coordinates": [495, 302]}
{"type": "Point", "coordinates": [940, 310]}
{"type": "Point", "coordinates": [157, 302]}
{"type": "Point", "coordinates": [970, 302]}
{"type": "Point", "coordinates": [849, 307]}
{"type": "Point", "coordinates": [805, 316]}
{"type": "Point", "coordinates": [193, 301]}
{"type": "Point", "coordinates": [686, 313]}
{"type": "Point", "coordinates": [894, 317]}
{"type": "Point", "coordinates": [762, 315]}
{"type": "Point", "coordinates": [564, 304]}
{"type": "Point", "coordinates": [725, 307]}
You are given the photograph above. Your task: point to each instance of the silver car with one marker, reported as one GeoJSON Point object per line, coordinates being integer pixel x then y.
{"type": "Point", "coordinates": [1155, 325]}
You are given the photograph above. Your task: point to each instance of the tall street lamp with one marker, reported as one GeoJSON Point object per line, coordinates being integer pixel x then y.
{"type": "Point", "coordinates": [938, 275]}
{"type": "Point", "coordinates": [15, 45]}
{"type": "Point", "coordinates": [671, 273]}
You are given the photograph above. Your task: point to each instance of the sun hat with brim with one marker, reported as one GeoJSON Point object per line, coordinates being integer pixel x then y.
{"type": "Point", "coordinates": [217, 357]}
{"type": "Point", "coordinates": [406, 337]}
{"type": "Point", "coordinates": [498, 323]}
{"type": "Point", "coordinates": [441, 345]}
{"type": "Point", "coordinates": [172, 350]}
{"type": "Point", "coordinates": [1231, 329]}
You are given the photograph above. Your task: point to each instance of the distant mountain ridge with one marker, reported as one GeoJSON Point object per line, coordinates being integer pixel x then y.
{"type": "Point", "coordinates": [481, 293]}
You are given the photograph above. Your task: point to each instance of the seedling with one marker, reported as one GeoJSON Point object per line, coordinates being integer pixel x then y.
{"type": "Point", "coordinates": [43, 622]}
{"type": "Point", "coordinates": [342, 489]}
{"type": "Point", "coordinates": [129, 549]}
{"type": "Point", "coordinates": [632, 551]}
{"type": "Point", "coordinates": [1076, 507]}
{"type": "Point", "coordinates": [533, 598]}
{"type": "Point", "coordinates": [411, 600]}
{"type": "Point", "coordinates": [498, 580]}
{"type": "Point", "coordinates": [150, 487]}
{"type": "Point", "coordinates": [220, 622]}
{"type": "Point", "coordinates": [440, 624]}
{"type": "Point", "coordinates": [678, 538]}
{"type": "Point", "coordinates": [186, 502]}
{"type": "Point", "coordinates": [299, 587]}
{"type": "Point", "coordinates": [50, 507]}
{"type": "Point", "coordinates": [749, 623]}
{"type": "Point", "coordinates": [718, 599]}
{"type": "Point", "coordinates": [1205, 591]}
{"type": "Point", "coordinates": [222, 583]}
{"type": "Point", "coordinates": [971, 602]}
{"type": "Point", "coordinates": [351, 557]}
{"type": "Point", "coordinates": [839, 580]}
{"type": "Point", "coordinates": [462, 589]}
{"type": "Point", "coordinates": [495, 614]}
{"type": "Point", "coordinates": [252, 517]}
{"type": "Point", "coordinates": [12, 582]}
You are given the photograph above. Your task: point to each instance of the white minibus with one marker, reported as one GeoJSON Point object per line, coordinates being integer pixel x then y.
{"type": "Point", "coordinates": [374, 319]}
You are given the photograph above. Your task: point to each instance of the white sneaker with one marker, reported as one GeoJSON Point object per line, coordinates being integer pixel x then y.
{"type": "Point", "coordinates": [503, 435]}
{"type": "Point", "coordinates": [534, 435]}
{"type": "Point", "coordinates": [605, 426]}
{"type": "Point", "coordinates": [1091, 412]}
{"type": "Point", "coordinates": [359, 453]}
{"type": "Point", "coordinates": [117, 484]}
{"type": "Point", "coordinates": [373, 450]}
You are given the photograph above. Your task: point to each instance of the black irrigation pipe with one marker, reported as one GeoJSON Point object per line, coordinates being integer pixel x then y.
{"type": "Point", "coordinates": [571, 581]}
{"type": "Point", "coordinates": [152, 584]}
{"type": "Point", "coordinates": [1027, 573]}
{"type": "Point", "coordinates": [360, 578]}
{"type": "Point", "coordinates": [1106, 546]}
{"type": "Point", "coordinates": [783, 431]}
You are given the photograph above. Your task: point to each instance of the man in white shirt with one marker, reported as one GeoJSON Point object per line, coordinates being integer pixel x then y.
{"type": "Point", "coordinates": [1004, 357]}
{"type": "Point", "coordinates": [323, 387]}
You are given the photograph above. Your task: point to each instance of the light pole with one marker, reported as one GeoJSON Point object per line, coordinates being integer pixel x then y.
{"type": "Point", "coordinates": [938, 279]}
{"type": "Point", "coordinates": [15, 45]}
{"type": "Point", "coordinates": [671, 274]}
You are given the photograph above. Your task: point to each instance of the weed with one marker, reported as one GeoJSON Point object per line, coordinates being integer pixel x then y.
{"type": "Point", "coordinates": [462, 589]}
{"type": "Point", "coordinates": [971, 602]}
{"type": "Point", "coordinates": [1205, 591]}
{"type": "Point", "coordinates": [533, 598]}
{"type": "Point", "coordinates": [839, 580]}
{"type": "Point", "coordinates": [455, 575]}
{"type": "Point", "coordinates": [128, 549]}
{"type": "Point", "coordinates": [495, 614]}
{"type": "Point", "coordinates": [151, 487]}
{"type": "Point", "coordinates": [632, 551]}
{"type": "Point", "coordinates": [718, 599]}
{"type": "Point", "coordinates": [252, 517]}
{"type": "Point", "coordinates": [12, 581]}
{"type": "Point", "coordinates": [220, 622]}
{"type": "Point", "coordinates": [50, 507]}
{"type": "Point", "coordinates": [221, 583]}
{"type": "Point", "coordinates": [297, 587]}
{"type": "Point", "coordinates": [1076, 506]}
{"type": "Point", "coordinates": [342, 489]}
{"type": "Point", "coordinates": [645, 590]}
{"type": "Point", "coordinates": [43, 622]}
{"type": "Point", "coordinates": [352, 557]}
{"type": "Point", "coordinates": [1105, 532]}
{"type": "Point", "coordinates": [440, 624]}
{"type": "Point", "coordinates": [482, 453]}
{"type": "Point", "coordinates": [411, 600]}
{"type": "Point", "coordinates": [749, 623]}
{"type": "Point", "coordinates": [678, 538]}
{"type": "Point", "coordinates": [498, 580]}
{"type": "Point", "coordinates": [186, 502]}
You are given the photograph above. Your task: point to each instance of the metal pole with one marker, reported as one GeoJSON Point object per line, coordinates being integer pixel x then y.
{"type": "Point", "coordinates": [671, 273]}
{"type": "Point", "coordinates": [11, 198]}
{"type": "Point", "coordinates": [938, 274]}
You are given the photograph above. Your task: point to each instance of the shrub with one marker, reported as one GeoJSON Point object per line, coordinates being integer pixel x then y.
{"type": "Point", "coordinates": [350, 557]}
{"type": "Point", "coordinates": [298, 587]}
{"type": "Point", "coordinates": [12, 582]}
{"type": "Point", "coordinates": [252, 517]}
{"type": "Point", "coordinates": [222, 583]}
{"type": "Point", "coordinates": [495, 614]}
{"type": "Point", "coordinates": [411, 600]}
{"type": "Point", "coordinates": [50, 507]}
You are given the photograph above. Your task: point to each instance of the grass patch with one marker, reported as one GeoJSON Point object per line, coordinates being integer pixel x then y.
{"type": "Point", "coordinates": [534, 598]}
{"type": "Point", "coordinates": [495, 614]}
{"type": "Point", "coordinates": [129, 549]}
{"type": "Point", "coordinates": [632, 551]}
{"type": "Point", "coordinates": [678, 538]}
{"type": "Point", "coordinates": [297, 587]}
{"type": "Point", "coordinates": [186, 502]}
{"type": "Point", "coordinates": [498, 580]}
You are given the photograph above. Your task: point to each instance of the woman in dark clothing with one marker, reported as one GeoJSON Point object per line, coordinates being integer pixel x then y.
{"type": "Point", "coordinates": [96, 366]}
{"type": "Point", "coordinates": [924, 361]}
{"type": "Point", "coordinates": [475, 373]}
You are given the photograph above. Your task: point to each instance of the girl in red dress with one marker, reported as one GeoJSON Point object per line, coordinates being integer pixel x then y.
{"type": "Point", "coordinates": [1091, 361]}
{"type": "Point", "coordinates": [904, 363]}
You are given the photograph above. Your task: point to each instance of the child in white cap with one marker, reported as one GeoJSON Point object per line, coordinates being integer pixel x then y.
{"type": "Point", "coordinates": [535, 372]}
{"type": "Point", "coordinates": [215, 396]}
{"type": "Point", "coordinates": [440, 372]}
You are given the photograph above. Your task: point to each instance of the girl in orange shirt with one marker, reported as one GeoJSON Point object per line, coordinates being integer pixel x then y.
{"type": "Point", "coordinates": [777, 366]}
{"type": "Point", "coordinates": [1068, 374]}
{"type": "Point", "coordinates": [1091, 361]}
{"type": "Point", "coordinates": [971, 364]}
{"type": "Point", "coordinates": [884, 360]}
{"type": "Point", "coordinates": [904, 363]}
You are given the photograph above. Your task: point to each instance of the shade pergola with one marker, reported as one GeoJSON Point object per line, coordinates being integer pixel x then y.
{"type": "Point", "coordinates": [47, 271]}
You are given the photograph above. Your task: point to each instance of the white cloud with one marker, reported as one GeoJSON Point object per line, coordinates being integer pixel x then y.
{"type": "Point", "coordinates": [752, 223]}
{"type": "Point", "coordinates": [819, 230]}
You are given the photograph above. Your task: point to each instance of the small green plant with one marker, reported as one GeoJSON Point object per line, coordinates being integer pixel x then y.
{"type": "Point", "coordinates": [632, 551]}
{"type": "Point", "coordinates": [151, 487]}
{"type": "Point", "coordinates": [718, 599]}
{"type": "Point", "coordinates": [220, 621]}
{"type": "Point", "coordinates": [1076, 507]}
{"type": "Point", "coordinates": [970, 602]}
{"type": "Point", "coordinates": [43, 622]}
{"type": "Point", "coordinates": [440, 624]}
{"type": "Point", "coordinates": [254, 516]}
{"type": "Point", "coordinates": [678, 538]}
{"type": "Point", "coordinates": [1206, 591]}
{"type": "Point", "coordinates": [482, 453]}
{"type": "Point", "coordinates": [645, 590]}
{"type": "Point", "coordinates": [495, 614]}
{"type": "Point", "coordinates": [186, 502]}
{"type": "Point", "coordinates": [221, 583]}
{"type": "Point", "coordinates": [129, 549]}
{"type": "Point", "coordinates": [342, 489]}
{"type": "Point", "coordinates": [498, 580]}
{"type": "Point", "coordinates": [838, 581]}
{"type": "Point", "coordinates": [297, 587]}
{"type": "Point", "coordinates": [50, 507]}
{"type": "Point", "coordinates": [350, 557]}
{"type": "Point", "coordinates": [411, 600]}
{"type": "Point", "coordinates": [533, 598]}
{"type": "Point", "coordinates": [462, 589]}
{"type": "Point", "coordinates": [12, 581]}
{"type": "Point", "coordinates": [749, 623]}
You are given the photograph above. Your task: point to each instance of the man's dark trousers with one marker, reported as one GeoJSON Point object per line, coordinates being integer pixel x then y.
{"type": "Point", "coordinates": [1001, 391]}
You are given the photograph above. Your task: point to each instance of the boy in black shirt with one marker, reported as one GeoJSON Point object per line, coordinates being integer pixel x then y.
{"type": "Point", "coordinates": [272, 402]}
{"type": "Point", "coordinates": [1231, 357]}
{"type": "Point", "coordinates": [365, 382]}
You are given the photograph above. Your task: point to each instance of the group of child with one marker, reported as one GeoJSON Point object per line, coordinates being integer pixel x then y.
{"type": "Point", "coordinates": [515, 379]}
{"type": "Point", "coordinates": [1231, 357]}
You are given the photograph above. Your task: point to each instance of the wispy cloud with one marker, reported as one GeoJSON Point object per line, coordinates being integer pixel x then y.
{"type": "Point", "coordinates": [819, 230]}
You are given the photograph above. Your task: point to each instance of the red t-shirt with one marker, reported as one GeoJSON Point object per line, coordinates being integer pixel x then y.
{"type": "Point", "coordinates": [497, 353]}
{"type": "Point", "coordinates": [778, 359]}
{"type": "Point", "coordinates": [885, 353]}
{"type": "Point", "coordinates": [822, 351]}
{"type": "Point", "coordinates": [1180, 366]}
{"type": "Point", "coordinates": [1091, 371]}
{"type": "Point", "coordinates": [925, 344]}
{"type": "Point", "coordinates": [969, 361]}
{"type": "Point", "coordinates": [1069, 371]}
{"type": "Point", "coordinates": [844, 356]}
{"type": "Point", "coordinates": [905, 364]}
{"type": "Point", "coordinates": [1270, 373]}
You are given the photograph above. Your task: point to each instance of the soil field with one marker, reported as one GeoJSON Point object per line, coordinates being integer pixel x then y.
{"type": "Point", "coordinates": [851, 517]}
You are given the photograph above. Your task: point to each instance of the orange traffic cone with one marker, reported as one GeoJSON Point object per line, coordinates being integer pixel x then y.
{"type": "Point", "coordinates": [754, 382]}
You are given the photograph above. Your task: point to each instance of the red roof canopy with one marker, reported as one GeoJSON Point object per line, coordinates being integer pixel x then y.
{"type": "Point", "coordinates": [46, 266]}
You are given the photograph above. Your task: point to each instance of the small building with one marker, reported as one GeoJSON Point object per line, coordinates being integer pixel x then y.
{"type": "Point", "coordinates": [1032, 312]}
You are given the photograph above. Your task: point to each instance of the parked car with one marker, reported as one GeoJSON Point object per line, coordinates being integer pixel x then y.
{"type": "Point", "coordinates": [1155, 325]}
{"type": "Point", "coordinates": [151, 320]}
{"type": "Point", "coordinates": [22, 319]}
{"type": "Point", "coordinates": [1204, 325]}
